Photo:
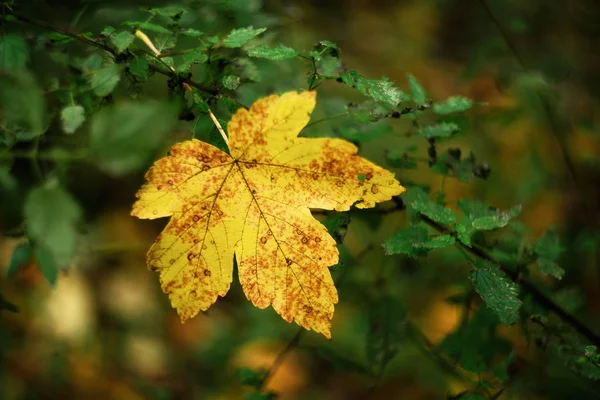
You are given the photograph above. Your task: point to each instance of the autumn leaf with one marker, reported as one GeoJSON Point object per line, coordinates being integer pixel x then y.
{"type": "Point", "coordinates": [255, 203]}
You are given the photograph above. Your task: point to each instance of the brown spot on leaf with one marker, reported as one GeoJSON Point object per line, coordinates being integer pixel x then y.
{"type": "Point", "coordinates": [315, 176]}
{"type": "Point", "coordinates": [190, 256]}
{"type": "Point", "coordinates": [317, 239]}
{"type": "Point", "coordinates": [304, 240]}
{"type": "Point", "coordinates": [307, 309]}
{"type": "Point", "coordinates": [205, 167]}
{"type": "Point", "coordinates": [339, 183]}
{"type": "Point", "coordinates": [374, 189]}
{"type": "Point", "coordinates": [207, 273]}
{"type": "Point", "coordinates": [288, 261]}
{"type": "Point", "coordinates": [195, 218]}
{"type": "Point", "coordinates": [172, 261]}
{"type": "Point", "coordinates": [263, 239]}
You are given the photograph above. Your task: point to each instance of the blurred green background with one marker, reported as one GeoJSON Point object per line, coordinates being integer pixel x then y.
{"type": "Point", "coordinates": [106, 331]}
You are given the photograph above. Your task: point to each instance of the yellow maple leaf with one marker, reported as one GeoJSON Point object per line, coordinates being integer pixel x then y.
{"type": "Point", "coordinates": [255, 203]}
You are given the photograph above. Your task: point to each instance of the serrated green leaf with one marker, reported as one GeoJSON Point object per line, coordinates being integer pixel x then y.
{"type": "Point", "coordinates": [387, 323]}
{"type": "Point", "coordinates": [415, 241]}
{"type": "Point", "coordinates": [239, 37]}
{"type": "Point", "coordinates": [498, 292]}
{"type": "Point", "coordinates": [20, 256]}
{"type": "Point", "coordinates": [169, 12]}
{"type": "Point", "coordinates": [72, 117]}
{"type": "Point", "coordinates": [277, 53]}
{"type": "Point", "coordinates": [124, 137]}
{"type": "Point", "coordinates": [22, 105]}
{"type": "Point", "coordinates": [453, 105]}
{"type": "Point", "coordinates": [46, 263]}
{"type": "Point", "coordinates": [139, 68]}
{"type": "Point", "coordinates": [382, 90]}
{"type": "Point", "coordinates": [191, 33]}
{"type": "Point", "coordinates": [473, 208]}
{"type": "Point", "coordinates": [109, 30]}
{"type": "Point", "coordinates": [147, 26]}
{"type": "Point", "coordinates": [441, 130]}
{"type": "Point", "coordinates": [440, 241]}
{"type": "Point", "coordinates": [104, 80]}
{"type": "Point", "coordinates": [14, 52]}
{"type": "Point", "coordinates": [122, 40]}
{"type": "Point", "coordinates": [436, 212]}
{"type": "Point", "coordinates": [196, 56]}
{"type": "Point", "coordinates": [498, 219]}
{"type": "Point", "coordinates": [418, 92]}
{"type": "Point", "coordinates": [231, 82]}
{"type": "Point", "coordinates": [51, 218]}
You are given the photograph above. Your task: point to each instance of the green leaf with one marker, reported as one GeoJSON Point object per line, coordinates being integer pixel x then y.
{"type": "Point", "coordinates": [441, 130]}
{"type": "Point", "coordinates": [418, 92]}
{"type": "Point", "coordinates": [277, 53]}
{"type": "Point", "coordinates": [473, 208]}
{"type": "Point", "coordinates": [7, 305]}
{"type": "Point", "coordinates": [109, 30]}
{"type": "Point", "coordinates": [453, 105]}
{"type": "Point", "coordinates": [51, 218]}
{"type": "Point", "coordinates": [72, 117]}
{"type": "Point", "coordinates": [20, 256]}
{"type": "Point", "coordinates": [169, 12]}
{"type": "Point", "coordinates": [239, 37]}
{"type": "Point", "coordinates": [436, 212]}
{"type": "Point", "coordinates": [498, 219]}
{"type": "Point", "coordinates": [104, 80]}
{"type": "Point", "coordinates": [387, 324]}
{"type": "Point", "coordinates": [14, 52]}
{"type": "Point", "coordinates": [139, 68]}
{"type": "Point", "coordinates": [440, 241]}
{"type": "Point", "coordinates": [365, 132]}
{"type": "Point", "coordinates": [382, 91]}
{"type": "Point", "coordinates": [47, 264]}
{"type": "Point", "coordinates": [147, 26]}
{"type": "Point", "coordinates": [22, 105]}
{"type": "Point", "coordinates": [191, 33]}
{"type": "Point", "coordinates": [407, 241]}
{"type": "Point", "coordinates": [251, 377]}
{"type": "Point", "coordinates": [122, 40]}
{"type": "Point", "coordinates": [498, 292]}
{"type": "Point", "coordinates": [124, 137]}
{"type": "Point", "coordinates": [398, 159]}
{"type": "Point", "coordinates": [196, 56]}
{"type": "Point", "coordinates": [549, 250]}
{"type": "Point", "coordinates": [231, 82]}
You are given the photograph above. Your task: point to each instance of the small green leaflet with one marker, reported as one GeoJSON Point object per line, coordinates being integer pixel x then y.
{"type": "Point", "coordinates": [196, 56]}
{"type": "Point", "coordinates": [122, 40]}
{"type": "Point", "coordinates": [251, 377]}
{"type": "Point", "coordinates": [20, 256]}
{"type": "Point", "coordinates": [139, 68]}
{"type": "Point", "coordinates": [498, 292]}
{"type": "Point", "coordinates": [435, 211]}
{"type": "Point", "coordinates": [382, 91]}
{"type": "Point", "coordinates": [415, 241]}
{"type": "Point", "coordinates": [441, 130]}
{"type": "Point", "coordinates": [231, 82]}
{"type": "Point", "coordinates": [14, 52]}
{"type": "Point", "coordinates": [169, 12]}
{"type": "Point", "coordinates": [72, 117]}
{"type": "Point", "coordinates": [104, 80]}
{"type": "Point", "coordinates": [498, 219]}
{"type": "Point", "coordinates": [418, 92]}
{"type": "Point", "coordinates": [239, 37]}
{"type": "Point", "coordinates": [277, 53]}
{"type": "Point", "coordinates": [549, 250]}
{"type": "Point", "coordinates": [453, 105]}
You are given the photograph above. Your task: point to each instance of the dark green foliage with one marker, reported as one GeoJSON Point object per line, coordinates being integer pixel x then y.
{"type": "Point", "coordinates": [83, 115]}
